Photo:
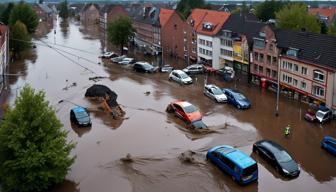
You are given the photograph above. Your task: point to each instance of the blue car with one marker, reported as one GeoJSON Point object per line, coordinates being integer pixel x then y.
{"type": "Point", "coordinates": [237, 99]}
{"type": "Point", "coordinates": [80, 117]}
{"type": "Point", "coordinates": [241, 167]}
{"type": "Point", "coordinates": [329, 144]}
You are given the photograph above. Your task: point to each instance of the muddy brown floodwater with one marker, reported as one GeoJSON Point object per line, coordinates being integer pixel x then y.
{"type": "Point", "coordinates": [150, 150]}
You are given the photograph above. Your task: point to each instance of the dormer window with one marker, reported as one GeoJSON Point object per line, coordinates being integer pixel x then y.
{"type": "Point", "coordinates": [259, 43]}
{"type": "Point", "coordinates": [292, 52]}
{"type": "Point", "coordinates": [208, 26]}
{"type": "Point", "coordinates": [262, 34]}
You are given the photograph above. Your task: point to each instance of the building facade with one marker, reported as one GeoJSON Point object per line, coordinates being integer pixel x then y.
{"type": "Point", "coordinates": [109, 13]}
{"type": "Point", "coordinates": [90, 14]}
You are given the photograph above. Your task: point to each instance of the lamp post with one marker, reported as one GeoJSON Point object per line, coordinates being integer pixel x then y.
{"type": "Point", "coordinates": [278, 89]}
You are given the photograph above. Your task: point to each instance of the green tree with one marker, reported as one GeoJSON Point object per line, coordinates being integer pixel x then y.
{"type": "Point", "coordinates": [120, 31]}
{"type": "Point", "coordinates": [63, 10]}
{"type": "Point", "coordinates": [34, 153]}
{"type": "Point", "coordinates": [267, 9]}
{"type": "Point", "coordinates": [184, 7]}
{"type": "Point", "coordinates": [19, 38]}
{"type": "Point", "coordinates": [23, 12]}
{"type": "Point", "coordinates": [244, 8]}
{"type": "Point", "coordinates": [296, 17]}
{"type": "Point", "coordinates": [6, 13]}
{"type": "Point", "coordinates": [332, 29]}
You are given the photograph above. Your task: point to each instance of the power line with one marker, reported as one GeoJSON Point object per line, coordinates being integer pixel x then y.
{"type": "Point", "coordinates": [85, 51]}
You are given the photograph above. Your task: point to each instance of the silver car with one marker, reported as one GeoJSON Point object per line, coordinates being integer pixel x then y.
{"type": "Point", "coordinates": [180, 77]}
{"type": "Point", "coordinates": [215, 93]}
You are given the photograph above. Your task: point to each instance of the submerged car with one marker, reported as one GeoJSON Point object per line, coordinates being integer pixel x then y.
{"type": "Point", "coordinates": [144, 67]}
{"type": "Point", "coordinates": [118, 59]}
{"type": "Point", "coordinates": [324, 115]}
{"type": "Point", "coordinates": [215, 93]}
{"type": "Point", "coordinates": [180, 77]}
{"type": "Point", "coordinates": [237, 99]}
{"type": "Point", "coordinates": [278, 157]}
{"type": "Point", "coordinates": [310, 116]}
{"type": "Point", "coordinates": [194, 69]}
{"type": "Point", "coordinates": [127, 61]}
{"type": "Point", "coordinates": [108, 55]}
{"type": "Point", "coordinates": [80, 117]}
{"type": "Point", "coordinates": [198, 124]}
{"type": "Point", "coordinates": [241, 167]}
{"type": "Point", "coordinates": [329, 144]}
{"type": "Point", "coordinates": [184, 110]}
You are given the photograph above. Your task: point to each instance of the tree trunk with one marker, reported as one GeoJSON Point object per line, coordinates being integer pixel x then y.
{"type": "Point", "coordinates": [122, 49]}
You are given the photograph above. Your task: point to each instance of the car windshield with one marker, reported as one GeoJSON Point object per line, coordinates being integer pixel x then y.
{"type": "Point", "coordinates": [183, 75]}
{"type": "Point", "coordinates": [240, 96]}
{"type": "Point", "coordinates": [190, 109]}
{"type": "Point", "coordinates": [147, 66]}
{"type": "Point", "coordinates": [81, 114]}
{"type": "Point", "coordinates": [319, 114]}
{"type": "Point", "coordinates": [217, 91]}
{"type": "Point", "coordinates": [250, 170]}
{"type": "Point", "coordinates": [283, 157]}
{"type": "Point", "coordinates": [198, 124]}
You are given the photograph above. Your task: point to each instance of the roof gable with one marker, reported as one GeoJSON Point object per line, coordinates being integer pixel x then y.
{"type": "Point", "coordinates": [327, 12]}
{"type": "Point", "coordinates": [165, 15]}
{"type": "Point", "coordinates": [208, 22]}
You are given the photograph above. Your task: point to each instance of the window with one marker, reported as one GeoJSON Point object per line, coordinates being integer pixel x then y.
{"type": "Point", "coordinates": [289, 80]}
{"type": "Point", "coordinates": [259, 43]}
{"type": "Point", "coordinates": [318, 91]}
{"type": "Point", "coordinates": [256, 56]}
{"type": "Point", "coordinates": [295, 82]}
{"type": "Point", "coordinates": [318, 75]}
{"type": "Point", "coordinates": [292, 52]}
{"type": "Point", "coordinates": [268, 72]}
{"type": "Point", "coordinates": [261, 69]}
{"type": "Point", "coordinates": [304, 71]}
{"type": "Point", "coordinates": [274, 74]}
{"type": "Point", "coordinates": [274, 60]}
{"type": "Point", "coordinates": [269, 59]}
{"type": "Point", "coordinates": [226, 52]}
{"type": "Point", "coordinates": [271, 47]}
{"type": "Point", "coordinates": [303, 85]}
{"type": "Point", "coordinates": [255, 67]}
{"type": "Point", "coordinates": [296, 67]}
{"type": "Point", "coordinates": [290, 66]}
{"type": "Point", "coordinates": [261, 57]}
{"type": "Point", "coordinates": [227, 162]}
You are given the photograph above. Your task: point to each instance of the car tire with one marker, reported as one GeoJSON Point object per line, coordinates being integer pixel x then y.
{"type": "Point", "coordinates": [169, 79]}
{"type": "Point", "coordinates": [169, 109]}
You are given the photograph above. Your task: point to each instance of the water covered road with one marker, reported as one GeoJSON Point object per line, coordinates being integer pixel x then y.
{"type": "Point", "coordinates": [154, 139]}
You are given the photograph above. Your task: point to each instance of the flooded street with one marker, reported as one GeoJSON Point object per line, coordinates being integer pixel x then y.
{"type": "Point", "coordinates": [154, 139]}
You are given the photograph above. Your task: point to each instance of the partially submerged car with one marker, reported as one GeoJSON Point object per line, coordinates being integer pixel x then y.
{"type": "Point", "coordinates": [323, 115]}
{"type": "Point", "coordinates": [198, 124]}
{"type": "Point", "coordinates": [80, 117]}
{"type": "Point", "coordinates": [180, 77]}
{"type": "Point", "coordinates": [237, 99]}
{"type": "Point", "coordinates": [215, 93]}
{"type": "Point", "coordinates": [127, 61]}
{"type": "Point", "coordinates": [118, 59]}
{"type": "Point", "coordinates": [310, 116]}
{"type": "Point", "coordinates": [194, 69]}
{"type": "Point", "coordinates": [184, 110]}
{"type": "Point", "coordinates": [278, 157]}
{"type": "Point", "coordinates": [166, 69]}
{"type": "Point", "coordinates": [329, 144]}
{"type": "Point", "coordinates": [108, 55]}
{"type": "Point", "coordinates": [227, 73]}
{"type": "Point", "coordinates": [144, 67]}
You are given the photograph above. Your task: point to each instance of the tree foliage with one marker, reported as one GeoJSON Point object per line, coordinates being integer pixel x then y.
{"type": "Point", "coordinates": [185, 7]}
{"type": "Point", "coordinates": [267, 9]}
{"type": "Point", "coordinates": [34, 153]}
{"type": "Point", "coordinates": [296, 17]}
{"type": "Point", "coordinates": [24, 13]}
{"type": "Point", "coordinates": [63, 10]}
{"type": "Point", "coordinates": [120, 31]}
{"type": "Point", "coordinates": [19, 38]}
{"type": "Point", "coordinates": [332, 29]}
{"type": "Point", "coordinates": [4, 17]}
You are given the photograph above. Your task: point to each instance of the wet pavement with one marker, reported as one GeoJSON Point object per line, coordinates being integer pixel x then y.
{"type": "Point", "coordinates": [155, 140]}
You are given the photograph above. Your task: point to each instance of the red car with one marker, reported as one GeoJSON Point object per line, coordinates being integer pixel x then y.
{"type": "Point", "coordinates": [310, 116]}
{"type": "Point", "coordinates": [184, 110]}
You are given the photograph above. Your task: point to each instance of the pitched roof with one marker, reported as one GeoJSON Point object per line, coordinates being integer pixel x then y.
{"type": "Point", "coordinates": [203, 17]}
{"type": "Point", "coordinates": [45, 8]}
{"type": "Point", "coordinates": [314, 48]}
{"type": "Point", "coordinates": [165, 14]}
{"type": "Point", "coordinates": [327, 12]}
{"type": "Point", "coordinates": [87, 6]}
{"type": "Point", "coordinates": [246, 24]}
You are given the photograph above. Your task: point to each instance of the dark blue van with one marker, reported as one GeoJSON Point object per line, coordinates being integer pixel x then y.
{"type": "Point", "coordinates": [241, 167]}
{"type": "Point", "coordinates": [329, 144]}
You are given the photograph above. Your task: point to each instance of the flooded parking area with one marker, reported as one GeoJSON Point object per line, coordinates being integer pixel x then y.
{"type": "Point", "coordinates": [149, 149]}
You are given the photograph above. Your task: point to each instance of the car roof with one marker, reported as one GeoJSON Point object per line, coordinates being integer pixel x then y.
{"type": "Point", "coordinates": [237, 156]}
{"type": "Point", "coordinates": [178, 71]}
{"type": "Point", "coordinates": [195, 65]}
{"type": "Point", "coordinates": [329, 138]}
{"type": "Point", "coordinates": [271, 146]}
{"type": "Point", "coordinates": [183, 103]}
{"type": "Point", "coordinates": [212, 86]}
{"type": "Point", "coordinates": [78, 109]}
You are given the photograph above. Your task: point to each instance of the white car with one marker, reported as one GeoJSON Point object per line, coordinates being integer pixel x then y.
{"type": "Point", "coordinates": [118, 59]}
{"type": "Point", "coordinates": [180, 77]}
{"type": "Point", "coordinates": [127, 61]}
{"type": "Point", "coordinates": [215, 93]}
{"type": "Point", "coordinates": [108, 55]}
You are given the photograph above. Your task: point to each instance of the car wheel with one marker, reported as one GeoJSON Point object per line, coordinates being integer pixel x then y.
{"type": "Point", "coordinates": [169, 79]}
{"type": "Point", "coordinates": [169, 109]}
{"type": "Point", "coordinates": [322, 146]}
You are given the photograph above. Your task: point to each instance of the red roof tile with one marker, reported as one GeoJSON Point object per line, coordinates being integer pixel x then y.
{"type": "Point", "coordinates": [165, 14]}
{"type": "Point", "coordinates": [328, 12]}
{"type": "Point", "coordinates": [216, 18]}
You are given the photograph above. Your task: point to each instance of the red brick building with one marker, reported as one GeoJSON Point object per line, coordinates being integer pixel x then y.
{"type": "Point", "coordinates": [43, 12]}
{"type": "Point", "coordinates": [109, 13]}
